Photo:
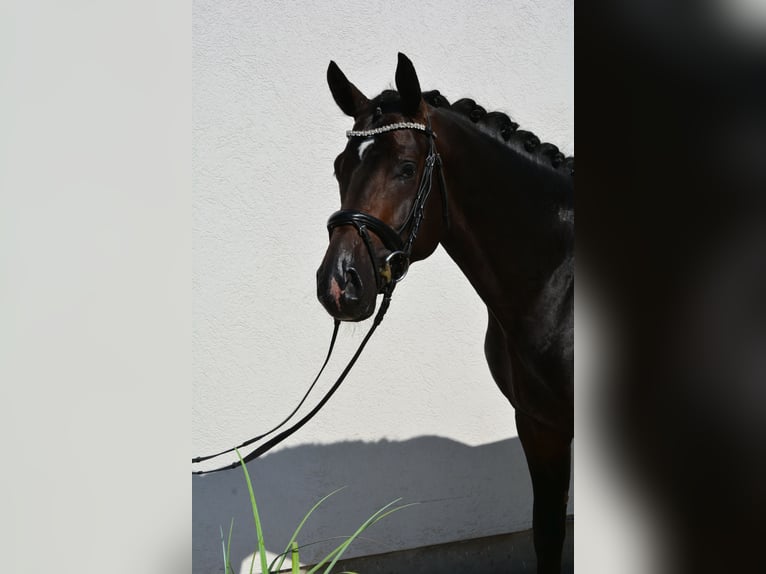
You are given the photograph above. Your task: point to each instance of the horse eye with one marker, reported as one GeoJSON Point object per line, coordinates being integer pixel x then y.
{"type": "Point", "coordinates": [407, 170]}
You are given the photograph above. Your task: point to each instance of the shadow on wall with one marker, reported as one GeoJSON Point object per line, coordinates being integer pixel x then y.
{"type": "Point", "coordinates": [464, 492]}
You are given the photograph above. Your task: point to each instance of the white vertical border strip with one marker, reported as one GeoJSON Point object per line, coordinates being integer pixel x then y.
{"type": "Point", "coordinates": [95, 290]}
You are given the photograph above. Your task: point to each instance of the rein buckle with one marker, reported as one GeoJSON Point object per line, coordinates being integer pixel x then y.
{"type": "Point", "coordinates": [395, 267]}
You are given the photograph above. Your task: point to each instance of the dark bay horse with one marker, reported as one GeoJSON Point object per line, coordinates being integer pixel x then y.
{"type": "Point", "coordinates": [503, 210]}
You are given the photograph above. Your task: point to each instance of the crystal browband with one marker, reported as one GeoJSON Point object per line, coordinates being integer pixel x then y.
{"type": "Point", "coordinates": [390, 128]}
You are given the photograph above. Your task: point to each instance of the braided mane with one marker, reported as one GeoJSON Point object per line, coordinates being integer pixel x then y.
{"type": "Point", "coordinates": [495, 124]}
{"type": "Point", "coordinates": [501, 127]}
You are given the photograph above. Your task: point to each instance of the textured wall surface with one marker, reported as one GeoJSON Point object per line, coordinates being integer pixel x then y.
{"type": "Point", "coordinates": [419, 417]}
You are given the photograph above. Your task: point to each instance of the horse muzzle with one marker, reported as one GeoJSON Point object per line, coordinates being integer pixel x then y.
{"type": "Point", "coordinates": [346, 279]}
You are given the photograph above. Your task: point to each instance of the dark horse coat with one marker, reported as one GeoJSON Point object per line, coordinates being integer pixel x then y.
{"type": "Point", "coordinates": [505, 215]}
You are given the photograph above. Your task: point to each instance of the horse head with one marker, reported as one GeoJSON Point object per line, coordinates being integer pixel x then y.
{"type": "Point", "coordinates": [381, 173]}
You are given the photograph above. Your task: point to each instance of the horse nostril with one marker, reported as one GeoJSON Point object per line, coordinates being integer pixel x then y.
{"type": "Point", "coordinates": [353, 288]}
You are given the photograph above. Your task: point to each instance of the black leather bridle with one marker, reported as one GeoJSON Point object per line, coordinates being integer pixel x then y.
{"type": "Point", "coordinates": [397, 263]}
{"type": "Point", "coordinates": [394, 269]}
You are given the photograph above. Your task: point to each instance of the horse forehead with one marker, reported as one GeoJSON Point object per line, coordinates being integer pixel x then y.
{"type": "Point", "coordinates": [364, 145]}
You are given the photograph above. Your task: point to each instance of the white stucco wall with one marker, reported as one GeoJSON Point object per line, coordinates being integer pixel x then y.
{"type": "Point", "coordinates": [419, 417]}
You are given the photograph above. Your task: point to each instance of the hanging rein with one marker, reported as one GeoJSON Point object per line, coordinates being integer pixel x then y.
{"type": "Point", "coordinates": [394, 269]}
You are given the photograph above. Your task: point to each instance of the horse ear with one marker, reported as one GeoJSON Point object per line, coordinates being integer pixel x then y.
{"type": "Point", "coordinates": [408, 85]}
{"type": "Point", "coordinates": [345, 94]}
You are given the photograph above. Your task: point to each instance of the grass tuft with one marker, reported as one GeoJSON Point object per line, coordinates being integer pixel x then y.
{"type": "Point", "coordinates": [292, 549]}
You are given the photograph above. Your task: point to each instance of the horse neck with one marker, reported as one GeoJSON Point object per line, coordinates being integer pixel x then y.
{"type": "Point", "coordinates": [511, 218]}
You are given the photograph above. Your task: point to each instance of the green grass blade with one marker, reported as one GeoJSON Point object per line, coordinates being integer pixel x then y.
{"type": "Point", "coordinates": [377, 517]}
{"type": "Point", "coordinates": [397, 509]}
{"type": "Point", "coordinates": [336, 554]}
{"type": "Point", "coordinates": [258, 530]}
{"type": "Point", "coordinates": [252, 563]}
{"type": "Point", "coordinates": [327, 558]}
{"type": "Point", "coordinates": [228, 550]}
{"type": "Point", "coordinates": [300, 526]}
{"type": "Point", "coordinates": [294, 558]}
{"type": "Point", "coordinates": [225, 557]}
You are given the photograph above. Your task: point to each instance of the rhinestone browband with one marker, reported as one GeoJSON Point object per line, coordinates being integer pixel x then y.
{"type": "Point", "coordinates": [389, 128]}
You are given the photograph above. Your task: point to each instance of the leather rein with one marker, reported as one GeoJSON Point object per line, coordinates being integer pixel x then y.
{"type": "Point", "coordinates": [394, 269]}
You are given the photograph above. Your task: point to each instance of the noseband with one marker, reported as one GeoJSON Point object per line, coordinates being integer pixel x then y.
{"type": "Point", "coordinates": [397, 263]}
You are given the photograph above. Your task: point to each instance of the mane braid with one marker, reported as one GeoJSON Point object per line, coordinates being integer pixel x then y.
{"type": "Point", "coordinates": [501, 127]}
{"type": "Point", "coordinates": [495, 124]}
